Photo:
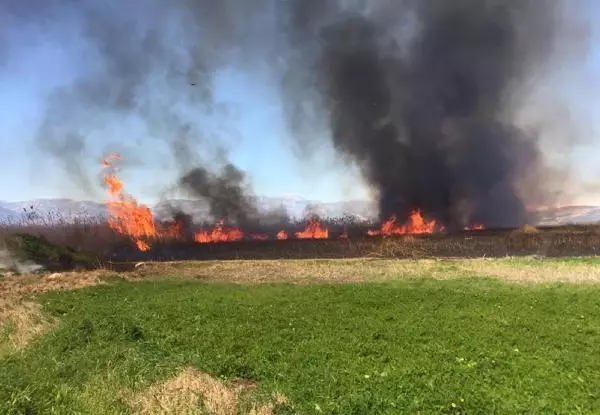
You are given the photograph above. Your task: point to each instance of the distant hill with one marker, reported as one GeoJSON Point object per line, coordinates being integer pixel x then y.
{"type": "Point", "coordinates": [70, 210]}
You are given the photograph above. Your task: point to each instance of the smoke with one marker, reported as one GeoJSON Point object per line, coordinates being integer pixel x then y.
{"type": "Point", "coordinates": [418, 94]}
{"type": "Point", "coordinates": [226, 192]}
{"type": "Point", "coordinates": [230, 197]}
{"type": "Point", "coordinates": [9, 262]}
{"type": "Point", "coordinates": [148, 64]}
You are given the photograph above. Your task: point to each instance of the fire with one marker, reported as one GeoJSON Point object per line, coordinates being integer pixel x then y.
{"type": "Point", "coordinates": [313, 231]}
{"type": "Point", "coordinates": [129, 218]}
{"type": "Point", "coordinates": [136, 221]}
{"type": "Point", "coordinates": [219, 234]}
{"type": "Point", "coordinates": [114, 185]}
{"type": "Point", "coordinates": [126, 216]}
{"type": "Point", "coordinates": [142, 246]}
{"type": "Point", "coordinates": [416, 224]}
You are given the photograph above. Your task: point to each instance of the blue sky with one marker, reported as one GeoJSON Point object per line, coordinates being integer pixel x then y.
{"type": "Point", "coordinates": [38, 61]}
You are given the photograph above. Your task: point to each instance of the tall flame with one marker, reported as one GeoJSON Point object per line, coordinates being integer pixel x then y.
{"type": "Point", "coordinates": [126, 216]}
{"type": "Point", "coordinates": [313, 231]}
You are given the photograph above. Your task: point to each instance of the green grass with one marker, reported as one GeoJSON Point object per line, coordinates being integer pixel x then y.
{"type": "Point", "coordinates": [413, 346]}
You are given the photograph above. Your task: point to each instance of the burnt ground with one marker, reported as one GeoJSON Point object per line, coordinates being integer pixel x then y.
{"type": "Point", "coordinates": [549, 242]}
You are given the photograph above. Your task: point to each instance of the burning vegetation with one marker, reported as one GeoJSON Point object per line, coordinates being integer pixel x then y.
{"type": "Point", "coordinates": [136, 221]}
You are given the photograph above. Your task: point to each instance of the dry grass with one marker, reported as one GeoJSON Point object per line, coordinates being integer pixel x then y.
{"type": "Point", "coordinates": [194, 392]}
{"type": "Point", "coordinates": [534, 271]}
{"type": "Point", "coordinates": [372, 270]}
{"type": "Point", "coordinates": [296, 271]}
{"type": "Point", "coordinates": [23, 285]}
{"type": "Point", "coordinates": [526, 229]}
{"type": "Point", "coordinates": [21, 320]}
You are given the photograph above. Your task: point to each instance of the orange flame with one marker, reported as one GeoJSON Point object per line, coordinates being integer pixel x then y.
{"type": "Point", "coordinates": [313, 231]}
{"type": "Point", "coordinates": [416, 224]}
{"type": "Point", "coordinates": [142, 246]}
{"type": "Point", "coordinates": [282, 235]}
{"type": "Point", "coordinates": [125, 215]}
{"type": "Point", "coordinates": [219, 234]}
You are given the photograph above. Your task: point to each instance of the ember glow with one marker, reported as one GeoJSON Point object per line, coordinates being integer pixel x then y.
{"type": "Point", "coordinates": [415, 225]}
{"type": "Point", "coordinates": [313, 230]}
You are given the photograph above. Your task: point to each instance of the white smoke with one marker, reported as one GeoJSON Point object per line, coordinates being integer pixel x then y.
{"type": "Point", "coordinates": [8, 262]}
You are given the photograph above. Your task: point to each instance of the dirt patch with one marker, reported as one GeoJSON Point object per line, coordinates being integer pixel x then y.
{"type": "Point", "coordinates": [194, 392]}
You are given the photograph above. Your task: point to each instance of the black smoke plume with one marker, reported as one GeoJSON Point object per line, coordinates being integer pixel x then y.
{"type": "Point", "coordinates": [230, 198]}
{"type": "Point", "coordinates": [226, 193]}
{"type": "Point", "coordinates": [418, 94]}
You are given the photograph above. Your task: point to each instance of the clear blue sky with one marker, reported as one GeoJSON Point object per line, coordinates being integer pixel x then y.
{"type": "Point", "coordinates": [39, 58]}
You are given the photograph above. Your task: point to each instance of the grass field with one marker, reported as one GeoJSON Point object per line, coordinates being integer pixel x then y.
{"type": "Point", "coordinates": [281, 337]}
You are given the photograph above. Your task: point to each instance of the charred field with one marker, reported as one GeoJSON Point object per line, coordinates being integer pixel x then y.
{"type": "Point", "coordinates": [546, 242]}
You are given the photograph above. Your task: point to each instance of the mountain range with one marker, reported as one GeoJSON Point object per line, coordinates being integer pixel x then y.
{"type": "Point", "coordinates": [56, 210]}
